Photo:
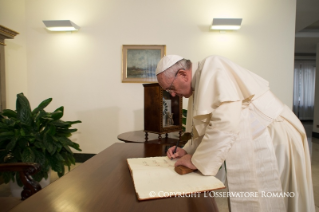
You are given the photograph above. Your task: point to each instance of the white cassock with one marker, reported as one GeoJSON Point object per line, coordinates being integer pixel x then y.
{"type": "Point", "coordinates": [237, 119]}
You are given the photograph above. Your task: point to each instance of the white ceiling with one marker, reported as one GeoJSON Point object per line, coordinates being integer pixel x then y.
{"type": "Point", "coordinates": [307, 22]}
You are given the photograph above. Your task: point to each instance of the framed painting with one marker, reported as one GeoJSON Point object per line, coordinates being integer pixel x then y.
{"type": "Point", "coordinates": [139, 62]}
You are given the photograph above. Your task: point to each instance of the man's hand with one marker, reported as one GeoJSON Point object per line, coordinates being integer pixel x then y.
{"type": "Point", "coordinates": [186, 161]}
{"type": "Point", "coordinates": [179, 152]}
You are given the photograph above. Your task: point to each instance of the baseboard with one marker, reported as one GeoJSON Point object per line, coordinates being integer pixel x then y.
{"type": "Point", "coordinates": [82, 157]}
{"type": "Point", "coordinates": [315, 134]}
{"type": "Point", "coordinates": [306, 121]}
{"type": "Point", "coordinates": [1, 180]}
{"type": "Point", "coordinates": [305, 54]}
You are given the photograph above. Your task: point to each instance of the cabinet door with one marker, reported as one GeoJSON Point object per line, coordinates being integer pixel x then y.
{"type": "Point", "coordinates": [171, 110]}
{"type": "Point", "coordinates": [162, 112]}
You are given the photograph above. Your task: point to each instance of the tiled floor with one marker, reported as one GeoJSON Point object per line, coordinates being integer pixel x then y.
{"type": "Point", "coordinates": [7, 201]}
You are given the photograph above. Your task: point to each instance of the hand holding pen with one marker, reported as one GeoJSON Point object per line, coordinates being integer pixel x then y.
{"type": "Point", "coordinates": [175, 152]}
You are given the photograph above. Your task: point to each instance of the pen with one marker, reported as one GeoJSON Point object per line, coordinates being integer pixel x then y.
{"type": "Point", "coordinates": [175, 148]}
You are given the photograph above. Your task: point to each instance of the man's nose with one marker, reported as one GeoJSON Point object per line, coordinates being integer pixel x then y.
{"type": "Point", "coordinates": [173, 94]}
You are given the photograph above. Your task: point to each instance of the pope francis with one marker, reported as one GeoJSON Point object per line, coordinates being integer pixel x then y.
{"type": "Point", "coordinates": [235, 118]}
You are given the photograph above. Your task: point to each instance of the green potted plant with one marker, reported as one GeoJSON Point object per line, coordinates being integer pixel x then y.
{"type": "Point", "coordinates": [35, 136]}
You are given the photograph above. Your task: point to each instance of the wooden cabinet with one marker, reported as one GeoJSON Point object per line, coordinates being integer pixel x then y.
{"type": "Point", "coordinates": [162, 112]}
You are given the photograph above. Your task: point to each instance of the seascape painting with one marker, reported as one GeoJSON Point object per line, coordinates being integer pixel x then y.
{"type": "Point", "coordinates": [140, 61]}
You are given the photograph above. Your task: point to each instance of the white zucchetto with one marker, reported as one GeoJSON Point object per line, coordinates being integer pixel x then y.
{"type": "Point", "coordinates": [166, 62]}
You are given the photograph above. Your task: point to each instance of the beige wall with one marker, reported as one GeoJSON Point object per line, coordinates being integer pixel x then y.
{"type": "Point", "coordinates": [82, 70]}
{"type": "Point", "coordinates": [12, 16]}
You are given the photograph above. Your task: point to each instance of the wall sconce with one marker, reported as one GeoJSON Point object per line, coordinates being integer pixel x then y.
{"type": "Point", "coordinates": [61, 25]}
{"type": "Point", "coordinates": [223, 24]}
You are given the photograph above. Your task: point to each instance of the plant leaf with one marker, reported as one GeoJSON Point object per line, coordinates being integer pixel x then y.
{"type": "Point", "coordinates": [59, 146]}
{"type": "Point", "coordinates": [67, 142]}
{"type": "Point", "coordinates": [184, 112]}
{"type": "Point", "coordinates": [60, 174]}
{"type": "Point", "coordinates": [59, 157]}
{"type": "Point", "coordinates": [47, 144]}
{"type": "Point", "coordinates": [60, 109]}
{"type": "Point", "coordinates": [66, 158]}
{"type": "Point", "coordinates": [72, 159]}
{"type": "Point", "coordinates": [67, 148]}
{"type": "Point", "coordinates": [7, 134]}
{"type": "Point", "coordinates": [56, 115]}
{"type": "Point", "coordinates": [3, 143]}
{"type": "Point", "coordinates": [41, 106]}
{"type": "Point", "coordinates": [60, 123]}
{"type": "Point", "coordinates": [184, 121]}
{"type": "Point", "coordinates": [66, 131]}
{"type": "Point", "coordinates": [75, 146]}
{"type": "Point", "coordinates": [32, 139]}
{"type": "Point", "coordinates": [39, 157]}
{"type": "Point", "coordinates": [22, 133]}
{"type": "Point", "coordinates": [23, 109]}
{"type": "Point", "coordinates": [74, 122]}
{"type": "Point", "coordinates": [27, 155]}
{"type": "Point", "coordinates": [12, 144]}
{"type": "Point", "coordinates": [52, 130]}
{"type": "Point", "coordinates": [22, 143]}
{"type": "Point", "coordinates": [38, 176]}
{"type": "Point", "coordinates": [3, 126]}
{"type": "Point", "coordinates": [69, 157]}
{"type": "Point", "coordinates": [9, 113]}
{"type": "Point", "coordinates": [56, 164]}
{"type": "Point", "coordinates": [38, 117]}
{"type": "Point", "coordinates": [39, 145]}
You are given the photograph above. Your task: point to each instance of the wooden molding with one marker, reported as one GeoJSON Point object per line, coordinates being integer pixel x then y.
{"type": "Point", "coordinates": [6, 33]}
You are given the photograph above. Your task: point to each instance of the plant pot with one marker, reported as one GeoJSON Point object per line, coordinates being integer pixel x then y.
{"type": "Point", "coordinates": [16, 189]}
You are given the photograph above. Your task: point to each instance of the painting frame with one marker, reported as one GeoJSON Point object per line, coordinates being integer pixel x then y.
{"type": "Point", "coordinates": [132, 73]}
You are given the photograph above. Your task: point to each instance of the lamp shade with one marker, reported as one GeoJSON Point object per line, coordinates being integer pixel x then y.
{"type": "Point", "coordinates": [61, 25]}
{"type": "Point", "coordinates": [226, 23]}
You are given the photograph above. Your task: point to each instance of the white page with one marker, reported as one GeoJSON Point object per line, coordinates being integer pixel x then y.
{"type": "Point", "coordinates": [157, 175]}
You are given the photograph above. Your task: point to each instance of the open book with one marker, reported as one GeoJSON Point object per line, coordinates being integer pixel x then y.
{"type": "Point", "coordinates": [155, 177]}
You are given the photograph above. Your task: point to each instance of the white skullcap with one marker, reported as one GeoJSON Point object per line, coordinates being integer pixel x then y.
{"type": "Point", "coordinates": [167, 62]}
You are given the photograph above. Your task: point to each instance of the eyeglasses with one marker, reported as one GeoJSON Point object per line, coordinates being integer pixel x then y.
{"type": "Point", "coordinates": [169, 89]}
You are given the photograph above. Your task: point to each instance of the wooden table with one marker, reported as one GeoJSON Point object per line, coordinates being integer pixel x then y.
{"type": "Point", "coordinates": [103, 183]}
{"type": "Point", "coordinates": [139, 137]}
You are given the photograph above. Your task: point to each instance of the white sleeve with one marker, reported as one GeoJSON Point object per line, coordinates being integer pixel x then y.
{"type": "Point", "coordinates": [219, 137]}
{"type": "Point", "coordinates": [191, 146]}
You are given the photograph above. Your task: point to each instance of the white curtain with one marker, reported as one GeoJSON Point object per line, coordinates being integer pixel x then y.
{"type": "Point", "coordinates": [304, 89]}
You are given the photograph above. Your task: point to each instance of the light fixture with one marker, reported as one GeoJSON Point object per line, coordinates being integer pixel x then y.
{"type": "Point", "coordinates": [226, 24]}
{"type": "Point", "coordinates": [61, 25]}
